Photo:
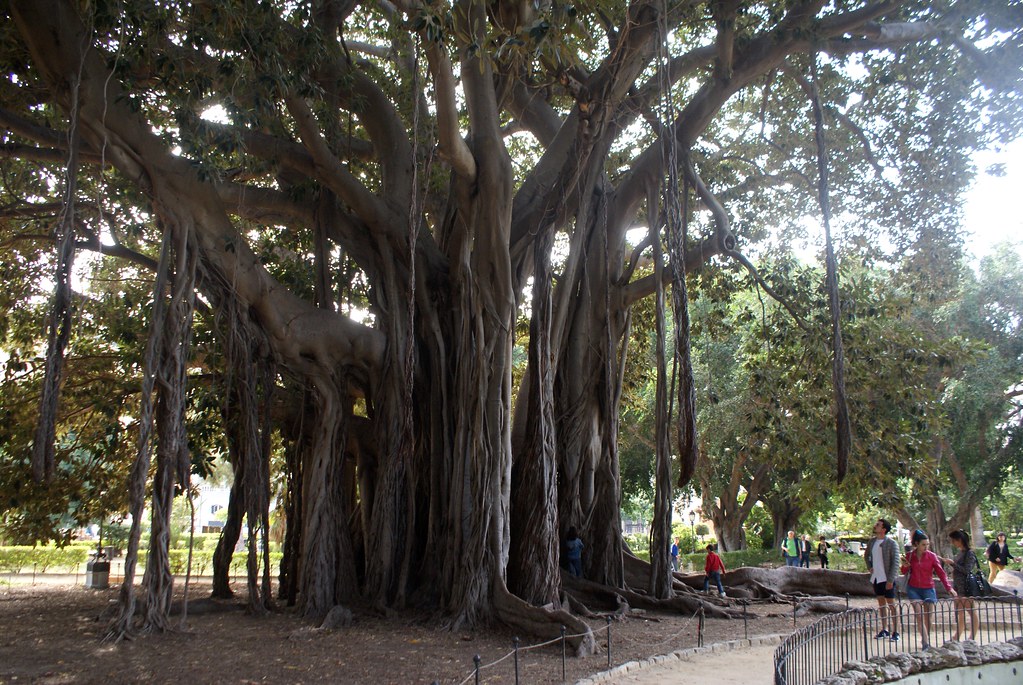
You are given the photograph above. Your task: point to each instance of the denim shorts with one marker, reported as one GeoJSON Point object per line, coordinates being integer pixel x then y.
{"type": "Point", "coordinates": [921, 594]}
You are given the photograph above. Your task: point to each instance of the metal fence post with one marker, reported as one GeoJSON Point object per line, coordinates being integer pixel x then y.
{"type": "Point", "coordinates": [608, 641]}
{"type": "Point", "coordinates": [699, 632]}
{"type": "Point", "coordinates": [745, 619]}
{"type": "Point", "coordinates": [847, 601]}
{"type": "Point", "coordinates": [1019, 613]}
{"type": "Point", "coordinates": [866, 645]}
{"type": "Point", "coordinates": [515, 641]}
{"type": "Point", "coordinates": [794, 613]}
{"type": "Point", "coordinates": [563, 653]}
{"type": "Point", "coordinates": [476, 660]}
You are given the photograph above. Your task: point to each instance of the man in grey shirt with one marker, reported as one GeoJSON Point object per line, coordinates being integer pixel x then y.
{"type": "Point", "coordinates": [882, 557]}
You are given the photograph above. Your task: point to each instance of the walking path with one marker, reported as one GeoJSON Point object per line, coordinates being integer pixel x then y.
{"type": "Point", "coordinates": [739, 662]}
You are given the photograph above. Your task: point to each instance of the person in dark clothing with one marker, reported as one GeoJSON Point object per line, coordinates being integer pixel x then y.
{"type": "Point", "coordinates": [998, 556]}
{"type": "Point", "coordinates": [963, 563]}
{"type": "Point", "coordinates": [804, 551]}
{"type": "Point", "coordinates": [822, 551]}
{"type": "Point", "coordinates": [574, 552]}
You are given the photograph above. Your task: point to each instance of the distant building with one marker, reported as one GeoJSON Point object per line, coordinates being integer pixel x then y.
{"type": "Point", "coordinates": [630, 527]}
{"type": "Point", "coordinates": [212, 501]}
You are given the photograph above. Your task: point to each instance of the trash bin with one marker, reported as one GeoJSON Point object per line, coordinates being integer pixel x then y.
{"type": "Point", "coordinates": [97, 574]}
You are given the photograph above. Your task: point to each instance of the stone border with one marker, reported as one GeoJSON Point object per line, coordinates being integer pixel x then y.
{"type": "Point", "coordinates": [898, 665]}
{"type": "Point", "coordinates": [678, 655]}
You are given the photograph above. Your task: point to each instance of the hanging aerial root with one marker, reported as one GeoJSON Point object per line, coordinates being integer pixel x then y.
{"type": "Point", "coordinates": [843, 426]}
{"type": "Point", "coordinates": [59, 322]}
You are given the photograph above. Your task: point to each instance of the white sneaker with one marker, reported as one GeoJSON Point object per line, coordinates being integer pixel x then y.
{"type": "Point", "coordinates": [721, 594]}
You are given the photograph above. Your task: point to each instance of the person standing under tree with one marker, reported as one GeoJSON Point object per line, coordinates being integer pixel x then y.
{"type": "Point", "coordinates": [822, 551]}
{"type": "Point", "coordinates": [712, 570]}
{"type": "Point", "coordinates": [882, 559]}
{"type": "Point", "coordinates": [574, 553]}
{"type": "Point", "coordinates": [962, 566]}
{"type": "Point", "coordinates": [674, 556]}
{"type": "Point", "coordinates": [998, 557]}
{"type": "Point", "coordinates": [922, 564]}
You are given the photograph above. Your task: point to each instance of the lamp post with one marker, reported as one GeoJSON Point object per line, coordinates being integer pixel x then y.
{"type": "Point", "coordinates": [692, 528]}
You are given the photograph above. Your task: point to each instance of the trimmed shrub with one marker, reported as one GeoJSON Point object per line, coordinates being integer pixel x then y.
{"type": "Point", "coordinates": [42, 558]}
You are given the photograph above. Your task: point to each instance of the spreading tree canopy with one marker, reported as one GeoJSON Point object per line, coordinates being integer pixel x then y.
{"type": "Point", "coordinates": [352, 198]}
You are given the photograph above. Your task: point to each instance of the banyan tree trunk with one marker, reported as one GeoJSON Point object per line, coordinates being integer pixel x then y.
{"type": "Point", "coordinates": [730, 533]}
{"type": "Point", "coordinates": [158, 582]}
{"type": "Point", "coordinates": [224, 552]}
{"type": "Point", "coordinates": [533, 560]}
{"type": "Point", "coordinates": [327, 573]}
{"type": "Point", "coordinates": [236, 506]}
{"type": "Point", "coordinates": [287, 588]}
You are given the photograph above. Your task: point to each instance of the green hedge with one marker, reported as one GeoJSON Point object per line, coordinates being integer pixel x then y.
{"type": "Point", "coordinates": [69, 559]}
{"type": "Point", "coordinates": [42, 559]}
{"type": "Point", "coordinates": [202, 561]}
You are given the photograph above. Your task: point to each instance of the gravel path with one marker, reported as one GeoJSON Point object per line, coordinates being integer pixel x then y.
{"type": "Point", "coordinates": [740, 662]}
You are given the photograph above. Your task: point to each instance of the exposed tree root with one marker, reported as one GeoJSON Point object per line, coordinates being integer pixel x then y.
{"type": "Point", "coordinates": [778, 584]}
{"type": "Point", "coordinates": [575, 606]}
{"type": "Point", "coordinates": [619, 601]}
{"type": "Point", "coordinates": [542, 622]}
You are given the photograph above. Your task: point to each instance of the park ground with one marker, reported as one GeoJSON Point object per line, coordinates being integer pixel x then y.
{"type": "Point", "coordinates": [52, 635]}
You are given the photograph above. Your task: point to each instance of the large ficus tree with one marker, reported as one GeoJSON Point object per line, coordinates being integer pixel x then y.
{"type": "Point", "coordinates": [428, 156]}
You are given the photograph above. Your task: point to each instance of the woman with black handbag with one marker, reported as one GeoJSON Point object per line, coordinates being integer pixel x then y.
{"type": "Point", "coordinates": [962, 567]}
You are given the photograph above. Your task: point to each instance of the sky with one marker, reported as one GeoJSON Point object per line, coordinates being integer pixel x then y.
{"type": "Point", "coordinates": [994, 206]}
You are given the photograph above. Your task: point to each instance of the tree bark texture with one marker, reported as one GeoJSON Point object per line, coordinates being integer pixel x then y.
{"type": "Point", "coordinates": [534, 555]}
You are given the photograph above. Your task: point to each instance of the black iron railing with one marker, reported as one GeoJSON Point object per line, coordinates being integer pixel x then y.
{"type": "Point", "coordinates": [821, 648]}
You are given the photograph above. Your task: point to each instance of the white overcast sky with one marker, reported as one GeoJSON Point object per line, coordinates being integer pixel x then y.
{"type": "Point", "coordinates": [994, 206]}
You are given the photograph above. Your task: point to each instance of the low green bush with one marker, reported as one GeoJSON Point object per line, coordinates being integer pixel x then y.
{"type": "Point", "coordinates": [202, 561]}
{"type": "Point", "coordinates": [13, 559]}
{"type": "Point", "coordinates": [42, 558]}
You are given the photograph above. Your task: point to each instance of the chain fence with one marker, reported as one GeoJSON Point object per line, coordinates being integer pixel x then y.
{"type": "Point", "coordinates": [479, 668]}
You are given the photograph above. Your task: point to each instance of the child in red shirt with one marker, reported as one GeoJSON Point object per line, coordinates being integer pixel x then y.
{"type": "Point", "coordinates": [713, 570]}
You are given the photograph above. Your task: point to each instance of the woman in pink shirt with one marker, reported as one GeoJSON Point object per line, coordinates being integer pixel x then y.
{"type": "Point", "coordinates": [922, 564]}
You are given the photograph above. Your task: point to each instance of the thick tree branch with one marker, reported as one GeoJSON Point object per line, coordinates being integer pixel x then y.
{"type": "Point", "coordinates": [334, 174]}
{"type": "Point", "coordinates": [452, 146]}
{"type": "Point", "coordinates": [40, 154]}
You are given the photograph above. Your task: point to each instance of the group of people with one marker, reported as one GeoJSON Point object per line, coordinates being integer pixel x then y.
{"type": "Point", "coordinates": [885, 562]}
{"type": "Point", "coordinates": [920, 565]}
{"type": "Point", "coordinates": [796, 550]}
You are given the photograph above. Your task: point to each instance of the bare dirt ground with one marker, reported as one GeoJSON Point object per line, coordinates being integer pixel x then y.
{"type": "Point", "coordinates": [51, 634]}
